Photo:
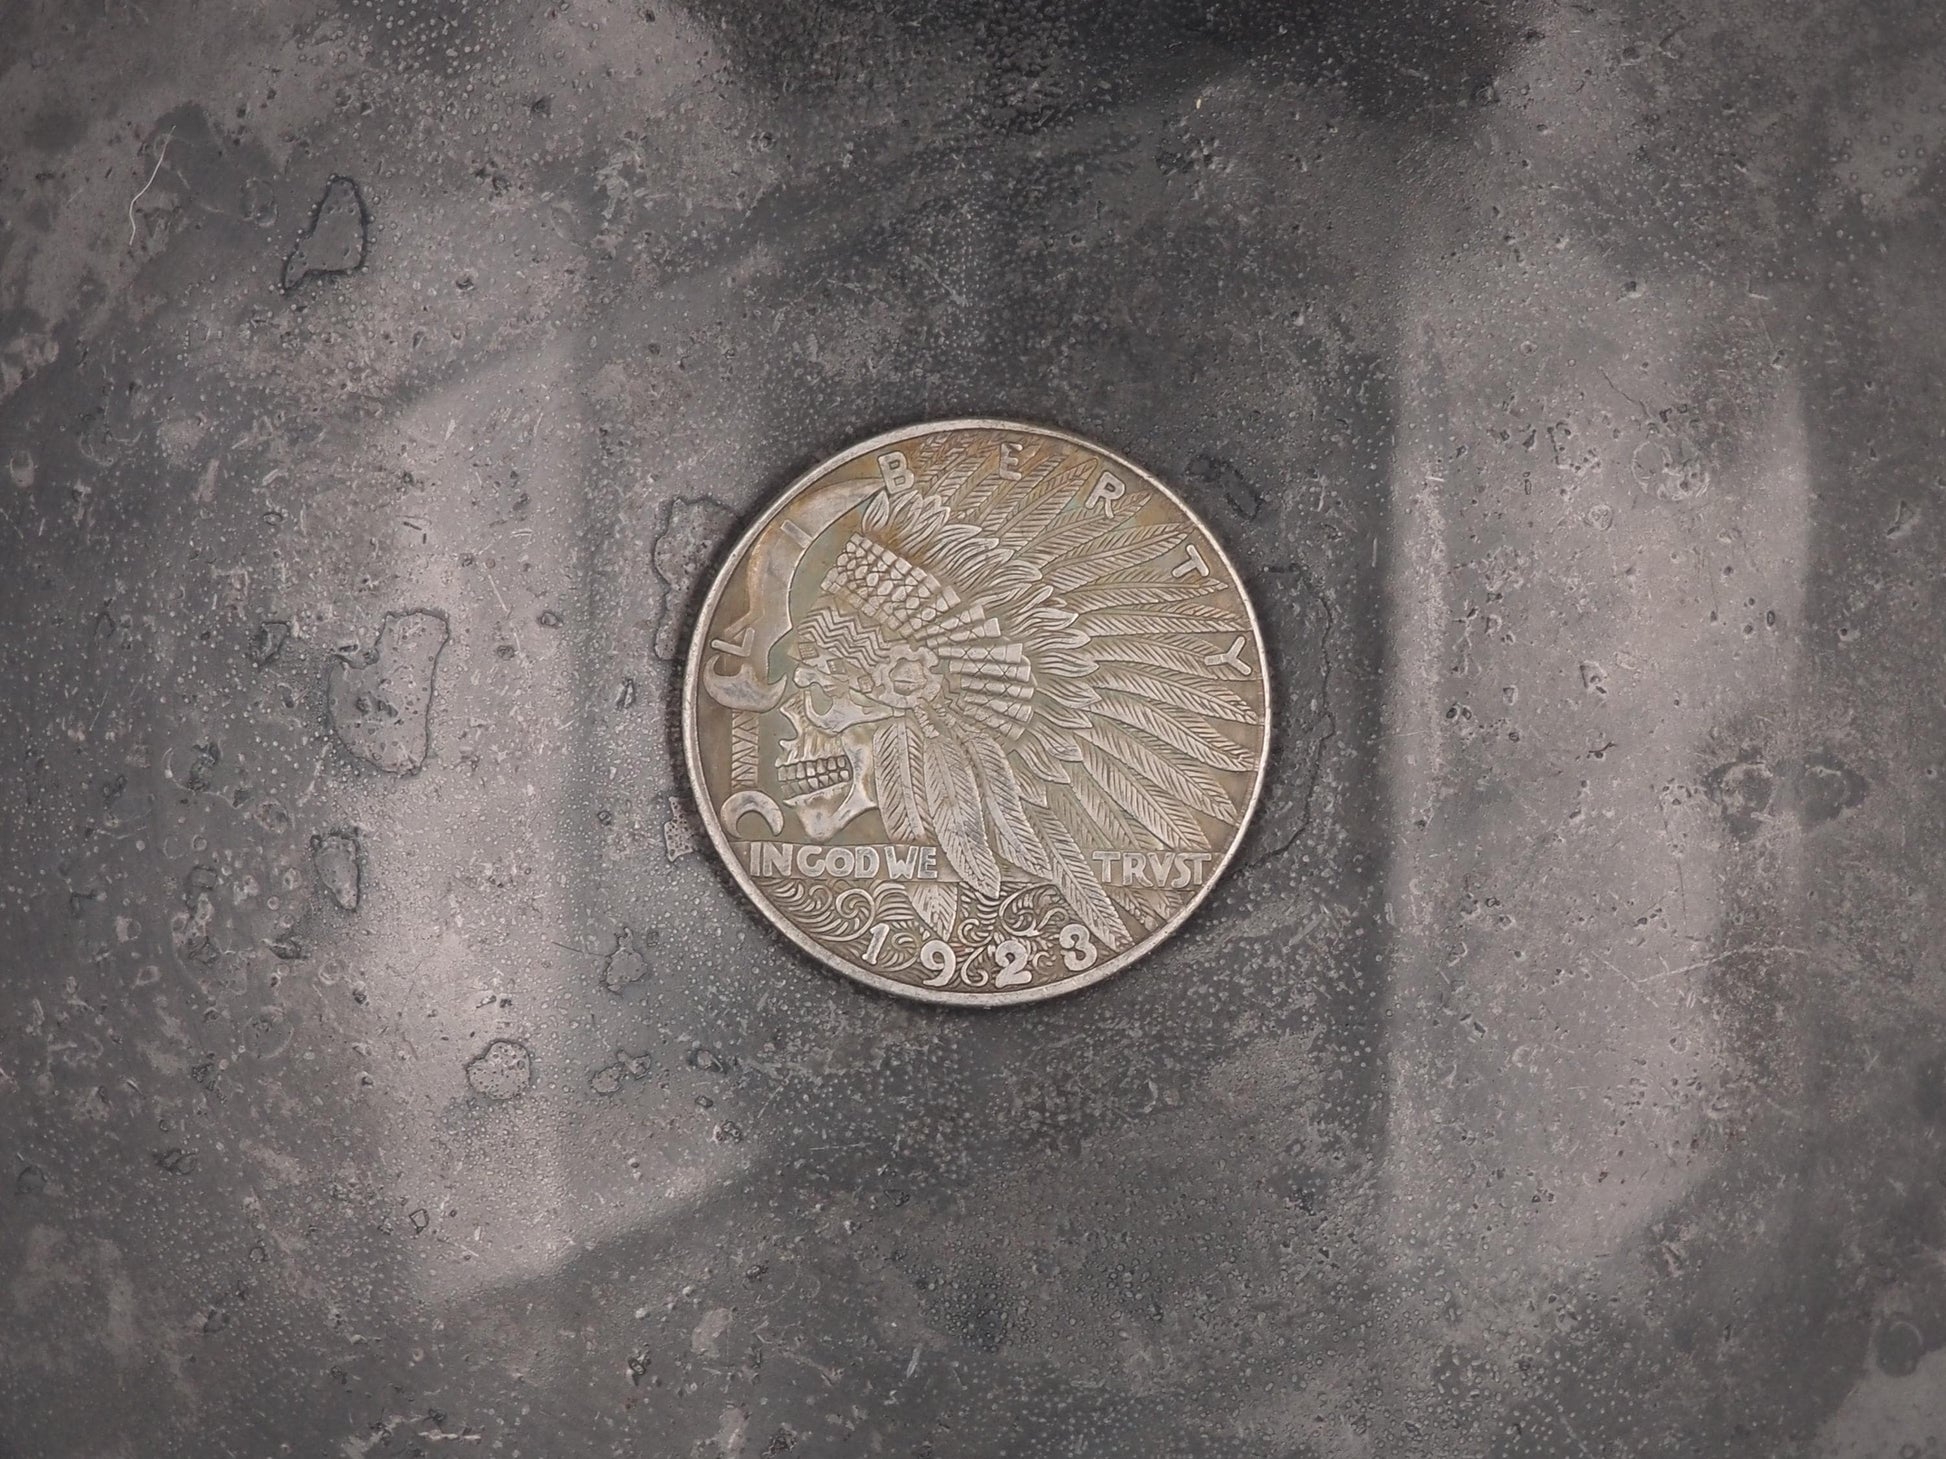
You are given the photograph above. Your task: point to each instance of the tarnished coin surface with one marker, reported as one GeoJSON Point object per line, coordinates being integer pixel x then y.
{"type": "Point", "coordinates": [976, 712]}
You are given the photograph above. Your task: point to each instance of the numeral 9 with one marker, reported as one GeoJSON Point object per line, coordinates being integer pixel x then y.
{"type": "Point", "coordinates": [936, 957]}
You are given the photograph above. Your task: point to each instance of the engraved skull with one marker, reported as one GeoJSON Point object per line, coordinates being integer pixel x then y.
{"type": "Point", "coordinates": [848, 683]}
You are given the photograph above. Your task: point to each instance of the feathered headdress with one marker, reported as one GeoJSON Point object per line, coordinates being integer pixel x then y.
{"type": "Point", "coordinates": [1058, 696]}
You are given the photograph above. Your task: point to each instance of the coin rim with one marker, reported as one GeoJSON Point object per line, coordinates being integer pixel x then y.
{"type": "Point", "coordinates": [706, 810]}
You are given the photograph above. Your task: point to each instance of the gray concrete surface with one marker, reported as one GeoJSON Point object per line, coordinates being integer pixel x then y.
{"type": "Point", "coordinates": [385, 1070]}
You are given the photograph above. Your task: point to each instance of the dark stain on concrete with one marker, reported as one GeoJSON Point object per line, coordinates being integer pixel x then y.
{"type": "Point", "coordinates": [1805, 791]}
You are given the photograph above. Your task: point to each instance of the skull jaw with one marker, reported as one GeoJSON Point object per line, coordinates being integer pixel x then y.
{"type": "Point", "coordinates": [843, 730]}
{"type": "Point", "coordinates": [824, 813]}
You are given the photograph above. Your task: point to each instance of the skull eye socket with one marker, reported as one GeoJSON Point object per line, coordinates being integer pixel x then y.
{"type": "Point", "coordinates": [816, 673]}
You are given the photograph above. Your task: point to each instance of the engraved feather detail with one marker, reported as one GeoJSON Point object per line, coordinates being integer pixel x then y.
{"type": "Point", "coordinates": [898, 787]}
{"type": "Point", "coordinates": [958, 820]}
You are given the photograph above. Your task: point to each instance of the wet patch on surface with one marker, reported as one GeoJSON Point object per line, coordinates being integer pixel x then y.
{"type": "Point", "coordinates": [610, 1078]}
{"type": "Point", "coordinates": [693, 532]}
{"type": "Point", "coordinates": [335, 242]}
{"type": "Point", "coordinates": [381, 707]}
{"type": "Point", "coordinates": [625, 965]}
{"type": "Point", "coordinates": [271, 636]}
{"type": "Point", "coordinates": [502, 1071]}
{"type": "Point", "coordinates": [337, 859]}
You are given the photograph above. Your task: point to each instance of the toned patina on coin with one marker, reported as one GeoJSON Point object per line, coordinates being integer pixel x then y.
{"type": "Point", "coordinates": [976, 712]}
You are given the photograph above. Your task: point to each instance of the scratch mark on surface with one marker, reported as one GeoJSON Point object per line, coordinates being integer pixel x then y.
{"type": "Point", "coordinates": [160, 156]}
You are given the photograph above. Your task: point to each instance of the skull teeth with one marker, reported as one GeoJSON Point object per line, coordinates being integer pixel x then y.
{"type": "Point", "coordinates": [807, 777]}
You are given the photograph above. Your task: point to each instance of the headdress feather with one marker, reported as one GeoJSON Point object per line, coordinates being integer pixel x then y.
{"type": "Point", "coordinates": [1081, 700]}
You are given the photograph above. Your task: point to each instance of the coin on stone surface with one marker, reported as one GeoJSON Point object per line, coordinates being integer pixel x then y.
{"type": "Point", "coordinates": [977, 712]}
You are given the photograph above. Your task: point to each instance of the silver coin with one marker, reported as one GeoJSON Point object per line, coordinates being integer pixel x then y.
{"type": "Point", "coordinates": [977, 712]}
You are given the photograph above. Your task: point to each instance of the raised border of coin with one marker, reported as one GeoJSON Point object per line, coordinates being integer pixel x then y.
{"type": "Point", "coordinates": [706, 646]}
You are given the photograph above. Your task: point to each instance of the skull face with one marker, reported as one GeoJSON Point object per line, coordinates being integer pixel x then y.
{"type": "Point", "coordinates": [847, 685]}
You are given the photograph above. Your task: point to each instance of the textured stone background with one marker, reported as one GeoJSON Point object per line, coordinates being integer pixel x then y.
{"type": "Point", "coordinates": [384, 1070]}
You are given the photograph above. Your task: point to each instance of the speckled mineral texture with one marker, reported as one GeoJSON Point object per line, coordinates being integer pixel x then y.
{"type": "Point", "coordinates": [384, 1069]}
